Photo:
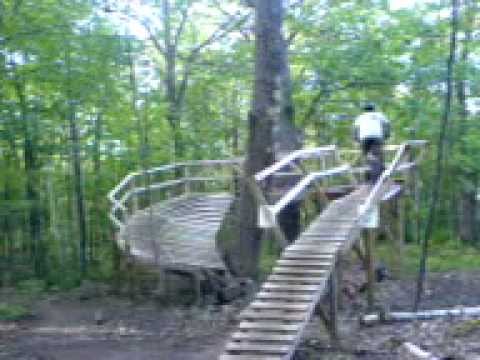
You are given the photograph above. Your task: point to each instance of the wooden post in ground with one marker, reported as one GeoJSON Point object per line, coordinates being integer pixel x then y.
{"type": "Point", "coordinates": [370, 266]}
{"type": "Point", "coordinates": [333, 308]}
{"type": "Point", "coordinates": [399, 246]}
{"type": "Point", "coordinates": [339, 273]}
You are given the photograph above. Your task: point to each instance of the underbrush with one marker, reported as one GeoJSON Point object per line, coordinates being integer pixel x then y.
{"type": "Point", "coordinates": [446, 256]}
{"type": "Point", "coordinates": [13, 312]}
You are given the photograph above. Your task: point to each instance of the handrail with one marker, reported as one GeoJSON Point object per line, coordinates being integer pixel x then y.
{"type": "Point", "coordinates": [125, 190]}
{"type": "Point", "coordinates": [297, 154]}
{"type": "Point", "coordinates": [387, 173]}
{"type": "Point", "coordinates": [375, 192]}
{"type": "Point", "coordinates": [268, 213]}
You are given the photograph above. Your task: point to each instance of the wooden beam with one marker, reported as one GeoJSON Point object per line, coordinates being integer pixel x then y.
{"type": "Point", "coordinates": [370, 267]}
{"type": "Point", "coordinates": [333, 308]}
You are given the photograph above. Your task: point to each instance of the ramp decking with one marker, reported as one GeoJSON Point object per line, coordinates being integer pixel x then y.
{"type": "Point", "coordinates": [179, 232]}
{"type": "Point", "coordinates": [272, 325]}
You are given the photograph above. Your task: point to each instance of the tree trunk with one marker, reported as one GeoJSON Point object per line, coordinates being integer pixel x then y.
{"type": "Point", "coordinates": [266, 111]}
{"type": "Point", "coordinates": [76, 168]}
{"type": "Point", "coordinates": [468, 182]}
{"type": "Point", "coordinates": [440, 155]}
{"type": "Point", "coordinates": [31, 172]}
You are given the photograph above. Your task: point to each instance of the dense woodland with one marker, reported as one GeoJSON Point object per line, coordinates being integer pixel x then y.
{"type": "Point", "coordinates": [90, 90]}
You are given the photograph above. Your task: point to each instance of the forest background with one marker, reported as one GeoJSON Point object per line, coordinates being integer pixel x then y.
{"type": "Point", "coordinates": [91, 90]}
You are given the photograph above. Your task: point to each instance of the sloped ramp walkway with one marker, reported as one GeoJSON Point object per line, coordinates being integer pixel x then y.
{"type": "Point", "coordinates": [272, 325]}
{"type": "Point", "coordinates": [178, 233]}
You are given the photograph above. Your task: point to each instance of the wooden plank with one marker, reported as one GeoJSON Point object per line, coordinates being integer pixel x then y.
{"type": "Point", "coordinates": [307, 256]}
{"type": "Point", "coordinates": [258, 348]}
{"type": "Point", "coordinates": [302, 270]}
{"type": "Point", "coordinates": [300, 262]}
{"type": "Point", "coordinates": [263, 336]}
{"type": "Point", "coordinates": [271, 326]}
{"type": "Point", "coordinates": [321, 242]}
{"type": "Point", "coordinates": [296, 279]}
{"type": "Point", "coordinates": [272, 315]}
{"type": "Point", "coordinates": [321, 236]}
{"type": "Point", "coordinates": [249, 357]}
{"type": "Point", "coordinates": [289, 287]}
{"type": "Point", "coordinates": [286, 296]}
{"type": "Point", "coordinates": [314, 249]}
{"type": "Point", "coordinates": [271, 305]}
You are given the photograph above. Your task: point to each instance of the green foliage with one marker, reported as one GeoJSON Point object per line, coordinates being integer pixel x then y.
{"type": "Point", "coordinates": [13, 312]}
{"type": "Point", "coordinates": [62, 59]}
{"type": "Point", "coordinates": [444, 256]}
{"type": "Point", "coordinates": [31, 287]}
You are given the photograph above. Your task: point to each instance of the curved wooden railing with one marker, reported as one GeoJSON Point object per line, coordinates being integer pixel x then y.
{"type": "Point", "coordinates": [138, 190]}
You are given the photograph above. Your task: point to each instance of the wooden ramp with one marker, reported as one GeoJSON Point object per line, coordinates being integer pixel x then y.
{"type": "Point", "coordinates": [178, 233]}
{"type": "Point", "coordinates": [272, 325]}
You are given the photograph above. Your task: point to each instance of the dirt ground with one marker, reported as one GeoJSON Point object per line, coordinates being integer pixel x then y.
{"type": "Point", "coordinates": [73, 326]}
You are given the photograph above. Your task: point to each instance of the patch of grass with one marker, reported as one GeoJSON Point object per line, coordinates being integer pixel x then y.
{"type": "Point", "coordinates": [10, 312]}
{"type": "Point", "coordinates": [465, 328]}
{"type": "Point", "coordinates": [447, 256]}
{"type": "Point", "coordinates": [31, 287]}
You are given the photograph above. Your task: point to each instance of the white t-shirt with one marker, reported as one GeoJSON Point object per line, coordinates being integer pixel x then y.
{"type": "Point", "coordinates": [370, 125]}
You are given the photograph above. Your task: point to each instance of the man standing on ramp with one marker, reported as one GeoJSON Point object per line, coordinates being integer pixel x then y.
{"type": "Point", "coordinates": [371, 129]}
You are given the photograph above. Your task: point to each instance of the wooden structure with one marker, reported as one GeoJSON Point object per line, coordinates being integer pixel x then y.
{"type": "Point", "coordinates": [168, 217]}
{"type": "Point", "coordinates": [272, 325]}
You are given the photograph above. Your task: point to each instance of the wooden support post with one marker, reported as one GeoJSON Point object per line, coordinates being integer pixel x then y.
{"type": "Point", "coordinates": [399, 246]}
{"type": "Point", "coordinates": [370, 266]}
{"type": "Point", "coordinates": [186, 178]}
{"type": "Point", "coordinates": [333, 308]}
{"type": "Point", "coordinates": [357, 248]}
{"type": "Point", "coordinates": [416, 204]}
{"type": "Point", "coordinates": [339, 273]}
{"type": "Point", "coordinates": [132, 187]}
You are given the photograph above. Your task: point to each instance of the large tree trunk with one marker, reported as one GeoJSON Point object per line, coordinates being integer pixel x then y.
{"type": "Point", "coordinates": [244, 254]}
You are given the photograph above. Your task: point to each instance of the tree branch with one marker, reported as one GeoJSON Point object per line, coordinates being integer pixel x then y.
{"type": "Point", "coordinates": [181, 27]}
{"type": "Point", "coordinates": [224, 29]}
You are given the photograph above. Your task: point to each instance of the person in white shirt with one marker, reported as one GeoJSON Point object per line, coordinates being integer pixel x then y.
{"type": "Point", "coordinates": [371, 129]}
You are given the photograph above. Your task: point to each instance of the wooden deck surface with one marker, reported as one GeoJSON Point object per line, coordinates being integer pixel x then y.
{"type": "Point", "coordinates": [179, 232]}
{"type": "Point", "coordinates": [272, 325]}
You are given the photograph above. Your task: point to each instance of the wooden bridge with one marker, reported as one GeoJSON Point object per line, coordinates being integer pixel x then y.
{"type": "Point", "coordinates": [177, 227]}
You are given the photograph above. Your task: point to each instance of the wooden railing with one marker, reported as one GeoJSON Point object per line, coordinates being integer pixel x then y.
{"type": "Point", "coordinates": [400, 162]}
{"type": "Point", "coordinates": [138, 190]}
{"type": "Point", "coordinates": [395, 155]}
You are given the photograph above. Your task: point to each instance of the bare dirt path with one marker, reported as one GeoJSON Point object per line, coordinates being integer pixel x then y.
{"type": "Point", "coordinates": [70, 327]}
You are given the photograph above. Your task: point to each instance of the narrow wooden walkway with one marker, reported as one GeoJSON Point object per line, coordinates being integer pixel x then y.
{"type": "Point", "coordinates": [178, 233]}
{"type": "Point", "coordinates": [272, 325]}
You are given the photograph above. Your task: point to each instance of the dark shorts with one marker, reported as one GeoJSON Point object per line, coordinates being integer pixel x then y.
{"type": "Point", "coordinates": [376, 166]}
{"type": "Point", "coordinates": [372, 145]}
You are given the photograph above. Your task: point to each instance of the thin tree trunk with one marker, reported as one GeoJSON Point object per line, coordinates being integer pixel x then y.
{"type": "Point", "coordinates": [466, 195]}
{"type": "Point", "coordinates": [77, 169]}
{"type": "Point", "coordinates": [31, 172]}
{"type": "Point", "coordinates": [440, 156]}
{"type": "Point", "coordinates": [97, 234]}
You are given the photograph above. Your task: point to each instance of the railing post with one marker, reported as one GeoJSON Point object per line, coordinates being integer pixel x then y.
{"type": "Point", "coordinates": [333, 308]}
{"type": "Point", "coordinates": [370, 267]}
{"type": "Point", "coordinates": [186, 178]}
{"type": "Point", "coordinates": [134, 198]}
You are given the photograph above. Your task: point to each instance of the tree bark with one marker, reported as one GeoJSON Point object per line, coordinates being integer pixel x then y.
{"type": "Point", "coordinates": [76, 168]}
{"type": "Point", "coordinates": [31, 172]}
{"type": "Point", "coordinates": [266, 110]}
{"type": "Point", "coordinates": [467, 202]}
{"type": "Point", "coordinates": [440, 155]}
